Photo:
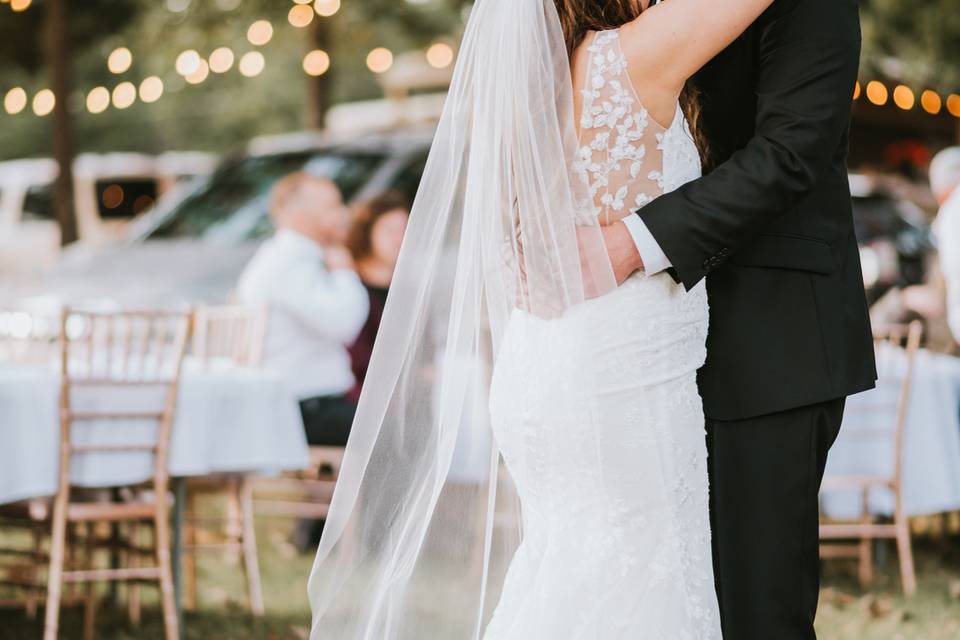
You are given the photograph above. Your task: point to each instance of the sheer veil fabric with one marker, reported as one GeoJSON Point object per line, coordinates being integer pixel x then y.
{"type": "Point", "coordinates": [424, 520]}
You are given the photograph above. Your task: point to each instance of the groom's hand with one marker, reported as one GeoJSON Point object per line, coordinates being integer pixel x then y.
{"type": "Point", "coordinates": [622, 250]}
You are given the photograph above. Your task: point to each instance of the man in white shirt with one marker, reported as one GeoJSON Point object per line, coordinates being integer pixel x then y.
{"type": "Point", "coordinates": [315, 300]}
{"type": "Point", "coordinates": [944, 180]}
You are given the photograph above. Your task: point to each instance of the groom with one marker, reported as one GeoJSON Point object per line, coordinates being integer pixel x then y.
{"type": "Point", "coordinates": [770, 228]}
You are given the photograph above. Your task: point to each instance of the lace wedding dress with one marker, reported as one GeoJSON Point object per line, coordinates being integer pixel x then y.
{"type": "Point", "coordinates": [616, 533]}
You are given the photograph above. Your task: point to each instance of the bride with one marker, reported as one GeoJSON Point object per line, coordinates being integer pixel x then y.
{"type": "Point", "coordinates": [528, 458]}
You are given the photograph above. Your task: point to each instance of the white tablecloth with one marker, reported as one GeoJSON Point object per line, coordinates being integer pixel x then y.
{"type": "Point", "coordinates": [227, 420]}
{"type": "Point", "coordinates": [931, 480]}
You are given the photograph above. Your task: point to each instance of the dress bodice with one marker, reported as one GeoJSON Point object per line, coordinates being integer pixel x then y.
{"type": "Point", "coordinates": [625, 158]}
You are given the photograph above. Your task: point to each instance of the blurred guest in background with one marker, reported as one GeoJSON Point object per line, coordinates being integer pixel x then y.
{"type": "Point", "coordinates": [375, 241]}
{"type": "Point", "coordinates": [944, 180]}
{"type": "Point", "coordinates": [316, 302]}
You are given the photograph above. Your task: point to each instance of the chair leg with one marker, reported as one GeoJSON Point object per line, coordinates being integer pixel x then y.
{"type": "Point", "coordinates": [905, 552]}
{"type": "Point", "coordinates": [164, 562]}
{"type": "Point", "coordinates": [234, 522]}
{"type": "Point", "coordinates": [133, 588]}
{"type": "Point", "coordinates": [35, 594]}
{"type": "Point", "coordinates": [89, 596]}
{"type": "Point", "coordinates": [190, 552]}
{"type": "Point", "coordinates": [58, 545]}
{"type": "Point", "coordinates": [251, 563]}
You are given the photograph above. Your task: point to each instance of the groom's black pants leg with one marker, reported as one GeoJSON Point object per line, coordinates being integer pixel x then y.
{"type": "Point", "coordinates": [765, 476]}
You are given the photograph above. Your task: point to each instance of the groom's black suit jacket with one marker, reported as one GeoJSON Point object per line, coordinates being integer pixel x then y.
{"type": "Point", "coordinates": [770, 227]}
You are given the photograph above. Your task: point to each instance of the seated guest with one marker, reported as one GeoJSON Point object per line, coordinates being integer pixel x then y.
{"type": "Point", "coordinates": [375, 241]}
{"type": "Point", "coordinates": [315, 301]}
{"type": "Point", "coordinates": [944, 180]}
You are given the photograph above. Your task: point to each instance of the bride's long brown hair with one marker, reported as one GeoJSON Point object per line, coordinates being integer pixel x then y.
{"type": "Point", "coordinates": [579, 17]}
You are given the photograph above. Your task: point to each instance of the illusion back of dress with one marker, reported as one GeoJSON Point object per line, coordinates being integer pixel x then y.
{"type": "Point", "coordinates": [626, 158]}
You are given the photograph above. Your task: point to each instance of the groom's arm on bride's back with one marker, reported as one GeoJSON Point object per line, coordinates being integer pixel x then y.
{"type": "Point", "coordinates": [808, 61]}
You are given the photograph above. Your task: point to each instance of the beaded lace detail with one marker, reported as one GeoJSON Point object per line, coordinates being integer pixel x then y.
{"type": "Point", "coordinates": [625, 158]}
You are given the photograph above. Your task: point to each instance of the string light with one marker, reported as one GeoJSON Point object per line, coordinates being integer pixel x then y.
{"type": "Point", "coordinates": [931, 102]}
{"type": "Point", "coordinates": [877, 93]}
{"type": "Point", "coordinates": [260, 33]}
{"type": "Point", "coordinates": [119, 60]}
{"type": "Point", "coordinates": [221, 60]}
{"type": "Point", "coordinates": [98, 100]}
{"type": "Point", "coordinates": [953, 105]}
{"type": "Point", "coordinates": [198, 76]}
{"type": "Point", "coordinates": [252, 64]}
{"type": "Point", "coordinates": [187, 62]}
{"type": "Point", "coordinates": [151, 89]}
{"type": "Point", "coordinates": [124, 95]}
{"type": "Point", "coordinates": [380, 60]}
{"type": "Point", "coordinates": [43, 102]}
{"type": "Point", "coordinates": [300, 15]}
{"type": "Point", "coordinates": [15, 101]}
{"type": "Point", "coordinates": [316, 63]}
{"type": "Point", "coordinates": [440, 55]}
{"type": "Point", "coordinates": [326, 8]}
{"type": "Point", "coordinates": [903, 97]}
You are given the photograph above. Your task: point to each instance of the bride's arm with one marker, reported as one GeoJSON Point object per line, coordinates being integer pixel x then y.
{"type": "Point", "coordinates": [671, 41]}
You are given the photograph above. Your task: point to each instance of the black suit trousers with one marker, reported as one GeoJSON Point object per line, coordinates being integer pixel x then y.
{"type": "Point", "coordinates": [765, 476]}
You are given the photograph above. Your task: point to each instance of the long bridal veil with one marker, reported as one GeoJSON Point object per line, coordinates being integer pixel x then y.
{"type": "Point", "coordinates": [424, 519]}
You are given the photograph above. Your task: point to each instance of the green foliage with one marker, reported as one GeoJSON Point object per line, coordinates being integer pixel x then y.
{"type": "Point", "coordinates": [917, 41]}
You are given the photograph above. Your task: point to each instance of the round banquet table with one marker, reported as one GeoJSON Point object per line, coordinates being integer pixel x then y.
{"type": "Point", "coordinates": [228, 420]}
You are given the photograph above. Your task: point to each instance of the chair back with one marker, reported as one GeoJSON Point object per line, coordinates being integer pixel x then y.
{"type": "Point", "coordinates": [896, 348]}
{"type": "Point", "coordinates": [233, 333]}
{"type": "Point", "coordinates": [120, 372]}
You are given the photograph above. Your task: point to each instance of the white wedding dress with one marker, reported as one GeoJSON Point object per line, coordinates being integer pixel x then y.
{"type": "Point", "coordinates": [616, 532]}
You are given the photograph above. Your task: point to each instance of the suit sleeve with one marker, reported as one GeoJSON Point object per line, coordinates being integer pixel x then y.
{"type": "Point", "coordinates": [808, 63]}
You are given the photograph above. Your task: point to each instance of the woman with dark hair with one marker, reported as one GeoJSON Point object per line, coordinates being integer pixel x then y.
{"type": "Point", "coordinates": [375, 241]}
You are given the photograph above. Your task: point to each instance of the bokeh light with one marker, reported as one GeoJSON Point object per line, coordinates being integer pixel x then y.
{"type": "Point", "coordinates": [98, 100]}
{"type": "Point", "coordinates": [380, 60]}
{"type": "Point", "coordinates": [124, 95]}
{"type": "Point", "coordinates": [15, 100]}
{"type": "Point", "coordinates": [953, 105]}
{"type": "Point", "coordinates": [198, 76]}
{"type": "Point", "coordinates": [188, 62]}
{"type": "Point", "coordinates": [440, 55]}
{"type": "Point", "coordinates": [112, 196]}
{"type": "Point", "coordinates": [20, 5]}
{"type": "Point", "coordinates": [300, 15]}
{"type": "Point", "coordinates": [260, 33]}
{"type": "Point", "coordinates": [43, 102]}
{"type": "Point", "coordinates": [877, 93]}
{"type": "Point", "coordinates": [326, 8]}
{"type": "Point", "coordinates": [119, 60]}
{"type": "Point", "coordinates": [151, 89]}
{"type": "Point", "coordinates": [857, 91]}
{"type": "Point", "coordinates": [221, 60]}
{"type": "Point", "coordinates": [931, 102]}
{"type": "Point", "coordinates": [252, 64]}
{"type": "Point", "coordinates": [316, 63]}
{"type": "Point", "coordinates": [903, 97]}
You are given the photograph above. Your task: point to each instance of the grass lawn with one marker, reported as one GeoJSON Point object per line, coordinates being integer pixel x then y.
{"type": "Point", "coordinates": [846, 611]}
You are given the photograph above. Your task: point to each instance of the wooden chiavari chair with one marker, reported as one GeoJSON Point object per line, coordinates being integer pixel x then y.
{"type": "Point", "coordinates": [896, 349]}
{"type": "Point", "coordinates": [232, 334]}
{"type": "Point", "coordinates": [120, 357]}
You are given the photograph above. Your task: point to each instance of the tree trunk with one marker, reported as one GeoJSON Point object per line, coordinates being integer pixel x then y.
{"type": "Point", "coordinates": [58, 61]}
{"type": "Point", "coordinates": [319, 87]}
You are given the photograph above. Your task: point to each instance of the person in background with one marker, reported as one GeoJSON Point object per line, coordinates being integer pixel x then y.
{"type": "Point", "coordinates": [375, 241]}
{"type": "Point", "coordinates": [944, 180]}
{"type": "Point", "coordinates": [316, 303]}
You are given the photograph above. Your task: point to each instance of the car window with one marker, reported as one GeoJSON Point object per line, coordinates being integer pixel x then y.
{"type": "Point", "coordinates": [124, 198]}
{"type": "Point", "coordinates": [407, 180]}
{"type": "Point", "coordinates": [38, 202]}
{"type": "Point", "coordinates": [233, 204]}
